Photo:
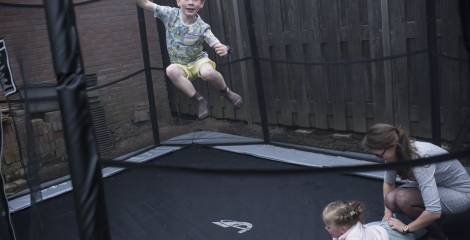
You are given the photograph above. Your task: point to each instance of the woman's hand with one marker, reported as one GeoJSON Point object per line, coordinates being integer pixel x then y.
{"type": "Point", "coordinates": [396, 224]}
{"type": "Point", "coordinates": [387, 214]}
{"type": "Point", "coordinates": [221, 49]}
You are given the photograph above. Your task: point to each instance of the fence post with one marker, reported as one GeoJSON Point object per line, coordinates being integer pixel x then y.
{"type": "Point", "coordinates": [435, 95]}
{"type": "Point", "coordinates": [257, 71]}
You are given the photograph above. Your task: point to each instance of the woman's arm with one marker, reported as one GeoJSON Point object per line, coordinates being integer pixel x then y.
{"type": "Point", "coordinates": [387, 187]}
{"type": "Point", "coordinates": [429, 192]}
{"type": "Point", "coordinates": [424, 220]}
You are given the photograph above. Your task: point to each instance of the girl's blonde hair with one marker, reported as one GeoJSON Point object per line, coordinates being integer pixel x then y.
{"type": "Point", "coordinates": [383, 136]}
{"type": "Point", "coordinates": [343, 213]}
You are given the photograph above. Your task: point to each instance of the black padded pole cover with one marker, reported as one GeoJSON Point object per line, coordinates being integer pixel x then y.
{"type": "Point", "coordinates": [83, 159]}
{"type": "Point", "coordinates": [465, 16]}
{"type": "Point", "coordinates": [464, 7]}
{"type": "Point", "coordinates": [62, 35]}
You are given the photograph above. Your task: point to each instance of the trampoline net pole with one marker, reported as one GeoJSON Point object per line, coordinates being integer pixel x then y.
{"type": "Point", "coordinates": [166, 62]}
{"type": "Point", "coordinates": [148, 76]}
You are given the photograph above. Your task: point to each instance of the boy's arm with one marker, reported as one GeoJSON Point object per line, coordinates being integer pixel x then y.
{"type": "Point", "coordinates": [214, 43]}
{"type": "Point", "coordinates": [147, 5]}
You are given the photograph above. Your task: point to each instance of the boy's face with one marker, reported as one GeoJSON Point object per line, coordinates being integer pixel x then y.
{"type": "Point", "coordinates": [190, 8]}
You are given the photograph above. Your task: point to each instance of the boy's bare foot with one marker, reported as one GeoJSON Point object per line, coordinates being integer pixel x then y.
{"type": "Point", "coordinates": [233, 97]}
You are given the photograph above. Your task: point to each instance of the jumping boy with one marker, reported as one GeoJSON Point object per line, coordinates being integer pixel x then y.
{"type": "Point", "coordinates": [185, 34]}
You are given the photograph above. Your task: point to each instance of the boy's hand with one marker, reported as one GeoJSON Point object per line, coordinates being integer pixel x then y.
{"type": "Point", "coordinates": [221, 49]}
{"type": "Point", "coordinates": [147, 5]}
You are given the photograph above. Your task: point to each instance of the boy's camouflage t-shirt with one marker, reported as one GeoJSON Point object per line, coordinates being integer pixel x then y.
{"type": "Point", "coordinates": [184, 42]}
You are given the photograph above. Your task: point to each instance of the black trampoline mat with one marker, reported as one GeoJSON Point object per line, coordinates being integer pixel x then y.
{"type": "Point", "coordinates": [149, 204]}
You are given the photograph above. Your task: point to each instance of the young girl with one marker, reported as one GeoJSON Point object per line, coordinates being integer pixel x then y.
{"type": "Point", "coordinates": [343, 222]}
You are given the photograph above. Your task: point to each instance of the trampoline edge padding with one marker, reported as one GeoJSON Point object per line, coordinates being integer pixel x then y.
{"type": "Point", "coordinates": [24, 201]}
{"type": "Point", "coordinates": [209, 137]}
{"type": "Point", "coordinates": [299, 157]}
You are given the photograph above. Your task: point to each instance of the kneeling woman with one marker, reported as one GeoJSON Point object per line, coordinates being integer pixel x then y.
{"type": "Point", "coordinates": [431, 191]}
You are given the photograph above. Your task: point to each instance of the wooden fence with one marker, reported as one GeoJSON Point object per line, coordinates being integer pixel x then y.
{"type": "Point", "coordinates": [343, 97]}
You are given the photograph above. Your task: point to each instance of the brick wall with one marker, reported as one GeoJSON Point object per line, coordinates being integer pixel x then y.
{"type": "Point", "coordinates": [111, 49]}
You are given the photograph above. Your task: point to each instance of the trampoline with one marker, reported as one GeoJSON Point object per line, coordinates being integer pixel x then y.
{"type": "Point", "coordinates": [150, 204]}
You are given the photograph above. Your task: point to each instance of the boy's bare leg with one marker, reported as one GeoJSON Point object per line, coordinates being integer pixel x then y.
{"type": "Point", "coordinates": [208, 73]}
{"type": "Point", "coordinates": [177, 76]}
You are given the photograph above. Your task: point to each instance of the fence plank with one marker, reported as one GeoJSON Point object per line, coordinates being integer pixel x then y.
{"type": "Point", "coordinates": [399, 88]}
{"type": "Point", "coordinates": [418, 70]}
{"type": "Point", "coordinates": [368, 11]}
{"type": "Point", "coordinates": [336, 86]}
{"type": "Point", "coordinates": [264, 28]}
{"type": "Point", "coordinates": [311, 34]}
{"type": "Point", "coordinates": [357, 86]}
{"type": "Point", "coordinates": [297, 104]}
{"type": "Point", "coordinates": [279, 70]}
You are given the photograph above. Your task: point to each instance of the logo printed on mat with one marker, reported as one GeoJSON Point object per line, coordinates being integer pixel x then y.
{"type": "Point", "coordinates": [243, 226]}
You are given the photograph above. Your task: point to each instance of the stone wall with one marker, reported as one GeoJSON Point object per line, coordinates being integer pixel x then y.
{"type": "Point", "coordinates": [47, 148]}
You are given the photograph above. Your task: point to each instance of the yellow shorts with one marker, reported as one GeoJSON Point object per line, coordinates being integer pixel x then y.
{"type": "Point", "coordinates": [192, 69]}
